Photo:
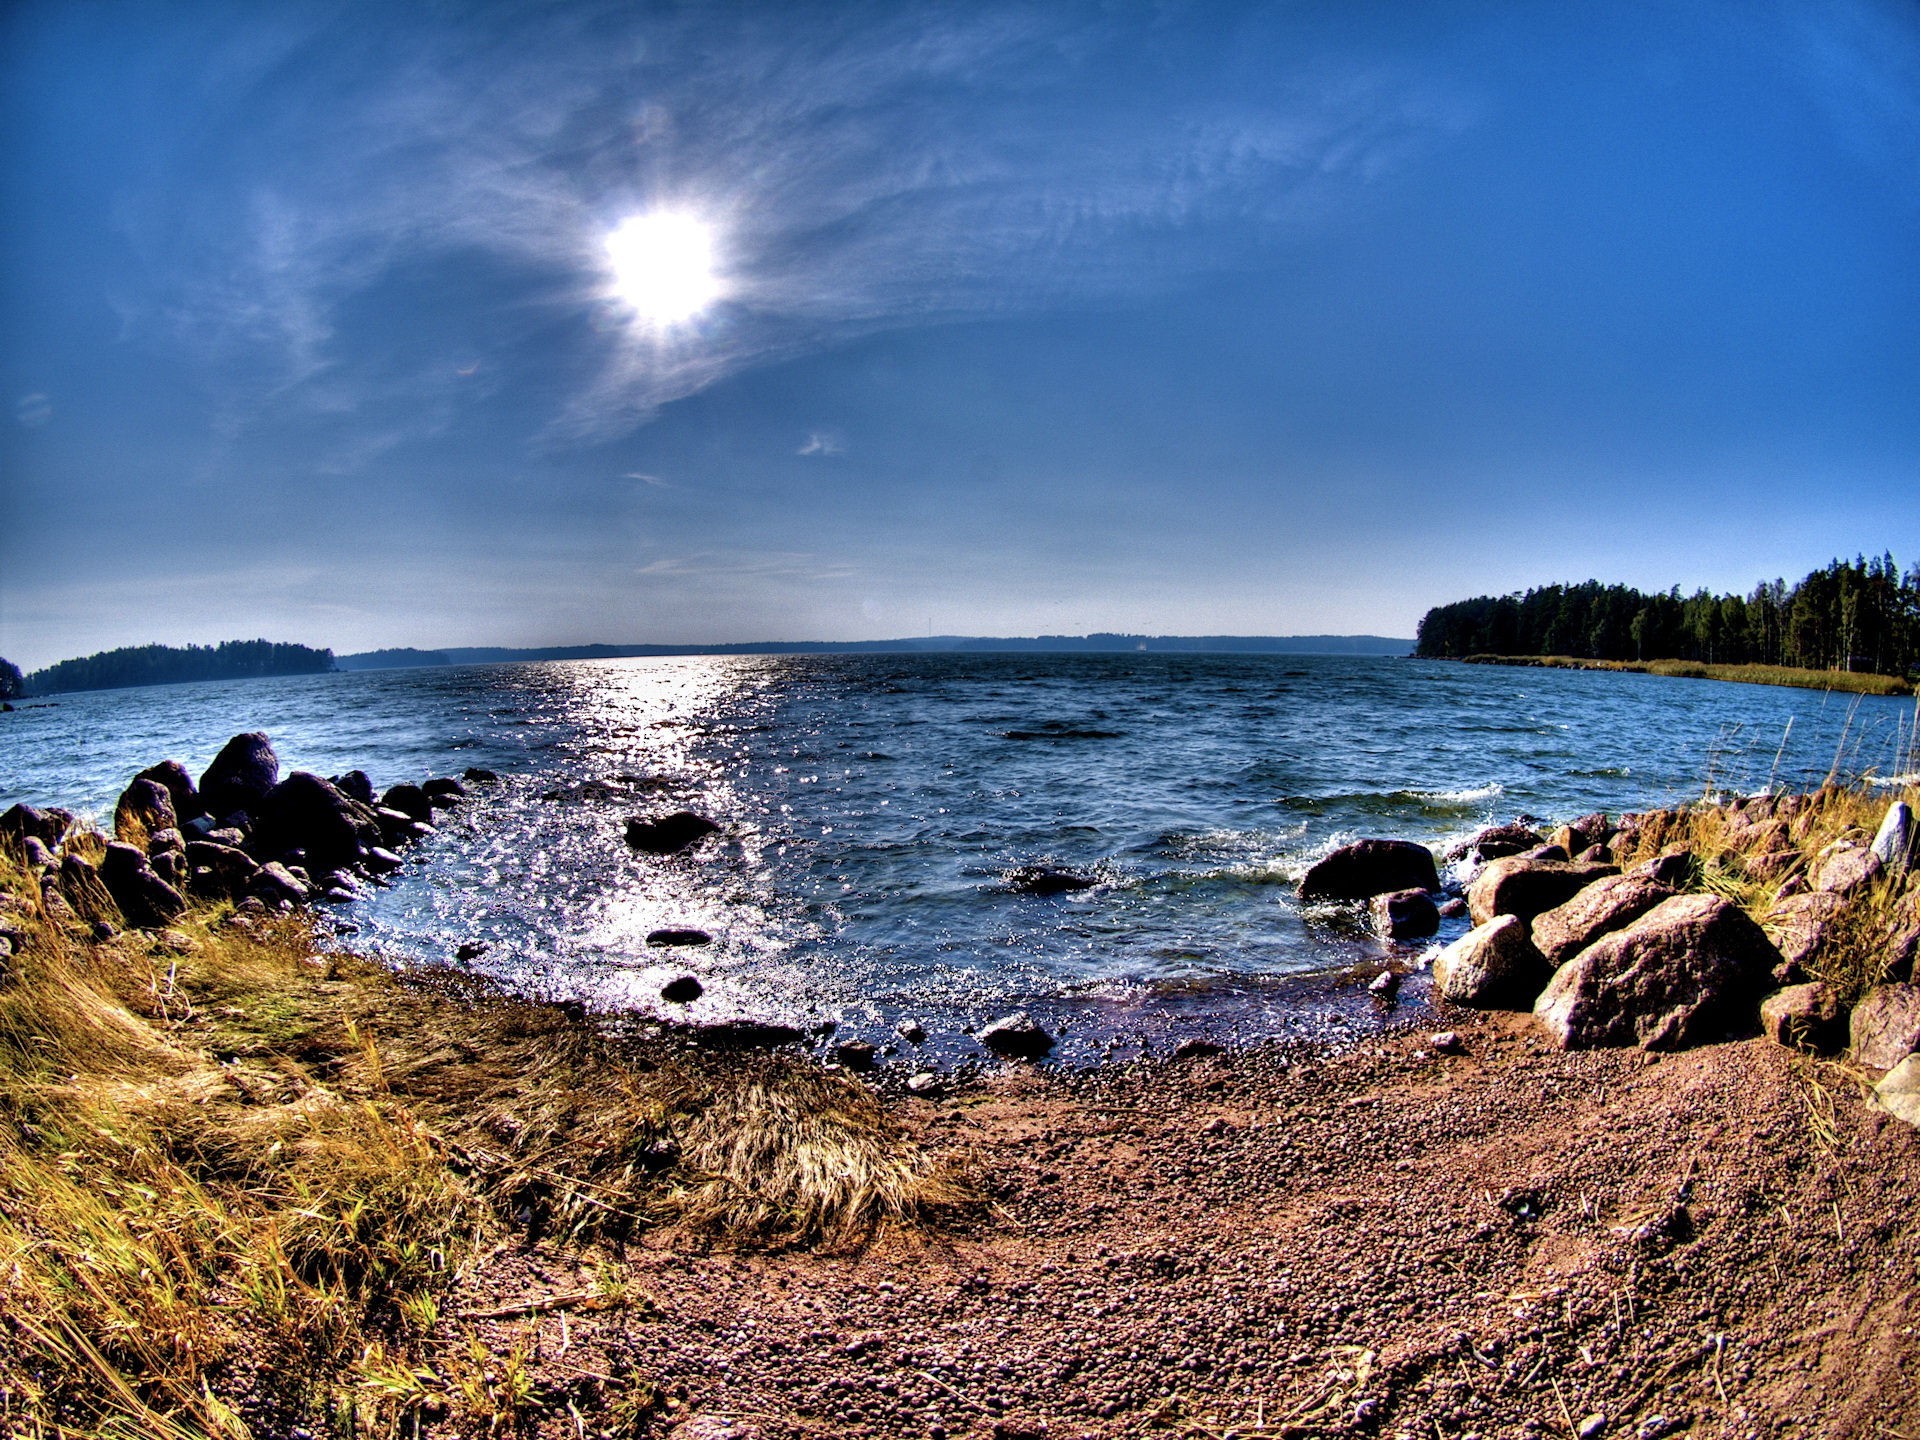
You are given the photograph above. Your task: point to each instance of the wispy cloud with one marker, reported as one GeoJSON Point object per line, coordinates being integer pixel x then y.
{"type": "Point", "coordinates": [821, 442]}
{"type": "Point", "coordinates": [882, 168]}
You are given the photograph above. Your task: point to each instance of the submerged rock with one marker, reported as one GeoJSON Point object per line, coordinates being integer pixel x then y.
{"type": "Point", "coordinates": [1370, 867]}
{"type": "Point", "coordinates": [668, 834]}
{"type": "Point", "coordinates": [1047, 880]}
{"type": "Point", "coordinates": [679, 937]}
{"type": "Point", "coordinates": [682, 990]}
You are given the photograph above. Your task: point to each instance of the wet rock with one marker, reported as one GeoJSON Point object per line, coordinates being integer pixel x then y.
{"type": "Point", "coordinates": [145, 900]}
{"type": "Point", "coordinates": [1405, 914]}
{"type": "Point", "coordinates": [679, 937]}
{"type": "Point", "coordinates": [1893, 842]}
{"type": "Point", "coordinates": [1016, 1036]}
{"type": "Point", "coordinates": [1689, 971]}
{"type": "Point", "coordinates": [410, 800]}
{"type": "Point", "coordinates": [1805, 1017]}
{"type": "Point", "coordinates": [855, 1054]}
{"type": "Point", "coordinates": [1496, 842]}
{"type": "Point", "coordinates": [356, 786]}
{"type": "Point", "coordinates": [85, 893]}
{"type": "Point", "coordinates": [1493, 967]}
{"type": "Point", "coordinates": [1384, 986]}
{"type": "Point", "coordinates": [682, 990]}
{"type": "Point", "coordinates": [181, 791]}
{"type": "Point", "coordinates": [48, 826]}
{"type": "Point", "coordinates": [924, 1083]}
{"type": "Point", "coordinates": [444, 791]}
{"type": "Point", "coordinates": [1196, 1048]}
{"type": "Point", "coordinates": [275, 885]}
{"type": "Point", "coordinates": [1047, 880]}
{"type": "Point", "coordinates": [470, 950]}
{"type": "Point", "coordinates": [1844, 867]}
{"type": "Point", "coordinates": [1370, 867]}
{"type": "Point", "coordinates": [1518, 886]}
{"type": "Point", "coordinates": [668, 834]}
{"type": "Point", "coordinates": [1675, 868]}
{"type": "Point", "coordinates": [911, 1031]}
{"type": "Point", "coordinates": [241, 775]}
{"type": "Point", "coordinates": [305, 812]}
{"type": "Point", "coordinates": [1546, 852]}
{"type": "Point", "coordinates": [1886, 1026]}
{"type": "Point", "coordinates": [1898, 1092]}
{"type": "Point", "coordinates": [1454, 908]}
{"type": "Point", "coordinates": [745, 1035]}
{"type": "Point", "coordinates": [1606, 905]}
{"type": "Point", "coordinates": [380, 861]}
{"type": "Point", "coordinates": [480, 775]}
{"type": "Point", "coordinates": [143, 807]}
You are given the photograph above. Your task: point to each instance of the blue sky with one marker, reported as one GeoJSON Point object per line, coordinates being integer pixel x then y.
{"type": "Point", "coordinates": [1027, 317]}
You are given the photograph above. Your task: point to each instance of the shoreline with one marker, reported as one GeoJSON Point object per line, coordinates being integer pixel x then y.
{"type": "Point", "coordinates": [1846, 681]}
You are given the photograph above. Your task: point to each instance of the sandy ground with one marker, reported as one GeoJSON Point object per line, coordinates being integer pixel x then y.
{"type": "Point", "coordinates": [1512, 1241]}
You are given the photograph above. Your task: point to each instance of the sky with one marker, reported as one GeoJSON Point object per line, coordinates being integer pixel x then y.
{"type": "Point", "coordinates": [454, 323]}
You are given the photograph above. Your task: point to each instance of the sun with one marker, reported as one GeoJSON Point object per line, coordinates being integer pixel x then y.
{"type": "Point", "coordinates": [663, 266]}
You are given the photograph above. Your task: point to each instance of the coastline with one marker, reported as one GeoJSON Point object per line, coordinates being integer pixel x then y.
{"type": "Point", "coordinates": [1848, 681]}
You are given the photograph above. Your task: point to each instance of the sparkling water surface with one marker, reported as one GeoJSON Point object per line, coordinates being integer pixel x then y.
{"type": "Point", "coordinates": [871, 805]}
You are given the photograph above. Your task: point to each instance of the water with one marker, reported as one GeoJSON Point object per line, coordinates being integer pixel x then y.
{"type": "Point", "coordinates": [871, 806]}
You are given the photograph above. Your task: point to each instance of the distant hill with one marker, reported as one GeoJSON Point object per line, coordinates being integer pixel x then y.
{"type": "Point", "coordinates": [391, 659]}
{"type": "Point", "coordinates": [168, 664]}
{"type": "Point", "coordinates": [952, 644]}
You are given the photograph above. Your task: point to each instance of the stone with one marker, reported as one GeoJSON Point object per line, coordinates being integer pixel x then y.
{"type": "Point", "coordinates": [480, 775]}
{"type": "Point", "coordinates": [1689, 971]}
{"type": "Point", "coordinates": [218, 872]}
{"type": "Point", "coordinates": [444, 790]}
{"type": "Point", "coordinates": [380, 861]}
{"type": "Point", "coordinates": [185, 795]}
{"type": "Point", "coordinates": [165, 842]}
{"type": "Point", "coordinates": [1493, 967]}
{"type": "Point", "coordinates": [1384, 986]}
{"type": "Point", "coordinates": [1601, 908]}
{"type": "Point", "coordinates": [274, 884]}
{"type": "Point", "coordinates": [241, 775]}
{"type": "Point", "coordinates": [53, 900]}
{"type": "Point", "coordinates": [1805, 1017]}
{"type": "Point", "coordinates": [470, 950]}
{"type": "Point", "coordinates": [679, 937]}
{"type": "Point", "coordinates": [668, 834]}
{"type": "Point", "coordinates": [1496, 842]}
{"type": "Point", "coordinates": [1546, 852]}
{"type": "Point", "coordinates": [1800, 926]}
{"type": "Point", "coordinates": [1893, 842]}
{"type": "Point", "coordinates": [410, 800]}
{"type": "Point", "coordinates": [1047, 880]}
{"type": "Point", "coordinates": [855, 1054]}
{"type": "Point", "coordinates": [1771, 866]}
{"type": "Point", "coordinates": [1675, 868]}
{"type": "Point", "coordinates": [305, 812]}
{"type": "Point", "coordinates": [86, 894]}
{"type": "Point", "coordinates": [1886, 1026]}
{"type": "Point", "coordinates": [1447, 1042]}
{"type": "Point", "coordinates": [1370, 867]}
{"type": "Point", "coordinates": [146, 901]}
{"type": "Point", "coordinates": [1016, 1036]}
{"type": "Point", "coordinates": [745, 1035]}
{"type": "Point", "coordinates": [143, 807]}
{"type": "Point", "coordinates": [1517, 886]}
{"type": "Point", "coordinates": [35, 852]}
{"type": "Point", "coordinates": [48, 826]}
{"type": "Point", "coordinates": [1453, 908]}
{"type": "Point", "coordinates": [924, 1083]}
{"type": "Point", "coordinates": [356, 785]}
{"type": "Point", "coordinates": [1196, 1047]}
{"type": "Point", "coordinates": [1898, 1092]}
{"type": "Point", "coordinates": [1405, 914]}
{"type": "Point", "coordinates": [911, 1031]}
{"type": "Point", "coordinates": [682, 990]}
{"type": "Point", "coordinates": [1844, 868]}
{"type": "Point", "coordinates": [171, 867]}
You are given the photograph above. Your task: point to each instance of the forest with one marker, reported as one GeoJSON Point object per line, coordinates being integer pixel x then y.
{"type": "Point", "coordinates": [166, 664]}
{"type": "Point", "coordinates": [1858, 615]}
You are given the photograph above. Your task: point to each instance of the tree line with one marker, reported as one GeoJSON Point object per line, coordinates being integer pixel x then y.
{"type": "Point", "coordinates": [167, 664]}
{"type": "Point", "coordinates": [1850, 615]}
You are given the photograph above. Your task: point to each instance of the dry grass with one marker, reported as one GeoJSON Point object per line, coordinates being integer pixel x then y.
{"type": "Point", "coordinates": [1850, 681]}
{"type": "Point", "coordinates": [238, 1173]}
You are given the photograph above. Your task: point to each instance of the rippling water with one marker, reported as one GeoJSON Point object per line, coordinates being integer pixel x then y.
{"type": "Point", "coordinates": [871, 805]}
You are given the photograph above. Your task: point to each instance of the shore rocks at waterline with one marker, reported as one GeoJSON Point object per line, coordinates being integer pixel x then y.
{"type": "Point", "coordinates": [241, 775]}
{"type": "Point", "coordinates": [146, 900]}
{"type": "Point", "coordinates": [1523, 887]}
{"type": "Point", "coordinates": [1370, 867]}
{"type": "Point", "coordinates": [668, 834]}
{"type": "Point", "coordinates": [1497, 842]}
{"type": "Point", "coordinates": [1016, 1037]}
{"type": "Point", "coordinates": [1405, 915]}
{"type": "Point", "coordinates": [309, 814]}
{"type": "Point", "coordinates": [144, 807]}
{"type": "Point", "coordinates": [1692, 969]}
{"type": "Point", "coordinates": [1608, 904]}
{"type": "Point", "coordinates": [1495, 966]}
{"type": "Point", "coordinates": [27, 822]}
{"type": "Point", "coordinates": [181, 791]}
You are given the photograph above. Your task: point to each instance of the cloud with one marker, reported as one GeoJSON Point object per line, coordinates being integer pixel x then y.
{"type": "Point", "coordinates": [32, 411]}
{"type": "Point", "coordinates": [877, 169]}
{"type": "Point", "coordinates": [821, 442]}
{"type": "Point", "coordinates": [646, 479]}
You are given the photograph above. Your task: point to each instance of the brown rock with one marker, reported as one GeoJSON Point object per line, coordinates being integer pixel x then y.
{"type": "Point", "coordinates": [86, 893]}
{"type": "Point", "coordinates": [1494, 967]}
{"type": "Point", "coordinates": [1516, 886]}
{"type": "Point", "coordinates": [1496, 842]}
{"type": "Point", "coordinates": [1772, 865]}
{"type": "Point", "coordinates": [143, 807]}
{"type": "Point", "coordinates": [1370, 867]}
{"type": "Point", "coordinates": [1673, 867]}
{"type": "Point", "coordinates": [1603, 907]}
{"type": "Point", "coordinates": [1886, 1026]}
{"type": "Point", "coordinates": [1804, 1017]}
{"type": "Point", "coordinates": [1844, 868]}
{"type": "Point", "coordinates": [1799, 925]}
{"type": "Point", "coordinates": [1898, 1092]}
{"type": "Point", "coordinates": [147, 901]}
{"type": "Point", "coordinates": [1405, 914]}
{"type": "Point", "coordinates": [1689, 971]}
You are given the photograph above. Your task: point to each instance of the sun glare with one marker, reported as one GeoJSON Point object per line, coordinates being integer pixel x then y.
{"type": "Point", "coordinates": [663, 266]}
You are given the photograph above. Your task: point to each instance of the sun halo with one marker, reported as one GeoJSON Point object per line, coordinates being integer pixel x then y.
{"type": "Point", "coordinates": [663, 266]}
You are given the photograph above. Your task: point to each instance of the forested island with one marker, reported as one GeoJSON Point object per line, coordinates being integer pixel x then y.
{"type": "Point", "coordinates": [1860, 616]}
{"type": "Point", "coordinates": [169, 664]}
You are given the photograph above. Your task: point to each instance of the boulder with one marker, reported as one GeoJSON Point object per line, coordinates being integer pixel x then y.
{"type": "Point", "coordinates": [1845, 867]}
{"type": "Point", "coordinates": [241, 775]}
{"type": "Point", "coordinates": [444, 790]}
{"type": "Point", "coordinates": [1689, 971]}
{"type": "Point", "coordinates": [1546, 852]}
{"type": "Point", "coordinates": [1805, 1017]}
{"type": "Point", "coordinates": [1016, 1036]}
{"type": "Point", "coordinates": [1893, 842]}
{"type": "Point", "coordinates": [679, 937]}
{"type": "Point", "coordinates": [165, 842]}
{"type": "Point", "coordinates": [53, 900]}
{"type": "Point", "coordinates": [1370, 867]}
{"type": "Point", "coordinates": [1770, 866]}
{"type": "Point", "coordinates": [1494, 967]}
{"type": "Point", "coordinates": [1047, 880]}
{"type": "Point", "coordinates": [1496, 842]}
{"type": "Point", "coordinates": [1799, 926]}
{"type": "Point", "coordinates": [1898, 1092]}
{"type": "Point", "coordinates": [1603, 907]}
{"type": "Point", "coordinates": [147, 901]}
{"type": "Point", "coordinates": [48, 826]}
{"type": "Point", "coordinates": [143, 807]}
{"type": "Point", "coordinates": [170, 866]}
{"type": "Point", "coordinates": [274, 884]}
{"type": "Point", "coordinates": [85, 893]}
{"type": "Point", "coordinates": [218, 872]}
{"type": "Point", "coordinates": [1675, 868]}
{"type": "Point", "coordinates": [1405, 914]}
{"type": "Point", "coordinates": [356, 785]}
{"type": "Point", "coordinates": [480, 775]}
{"type": "Point", "coordinates": [1886, 1026]}
{"type": "Point", "coordinates": [911, 1031]}
{"type": "Point", "coordinates": [1517, 886]}
{"type": "Point", "coordinates": [34, 850]}
{"type": "Point", "coordinates": [305, 812]}
{"type": "Point", "coordinates": [855, 1054]}
{"type": "Point", "coordinates": [172, 775]}
{"type": "Point", "coordinates": [668, 834]}
{"type": "Point", "coordinates": [682, 990]}
{"type": "Point", "coordinates": [410, 800]}
{"type": "Point", "coordinates": [1903, 941]}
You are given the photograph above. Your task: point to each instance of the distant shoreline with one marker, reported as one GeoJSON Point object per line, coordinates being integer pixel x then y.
{"type": "Point", "coordinates": [1853, 682]}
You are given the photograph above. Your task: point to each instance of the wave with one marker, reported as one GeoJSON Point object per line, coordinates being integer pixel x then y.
{"type": "Point", "coordinates": [1470, 799]}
